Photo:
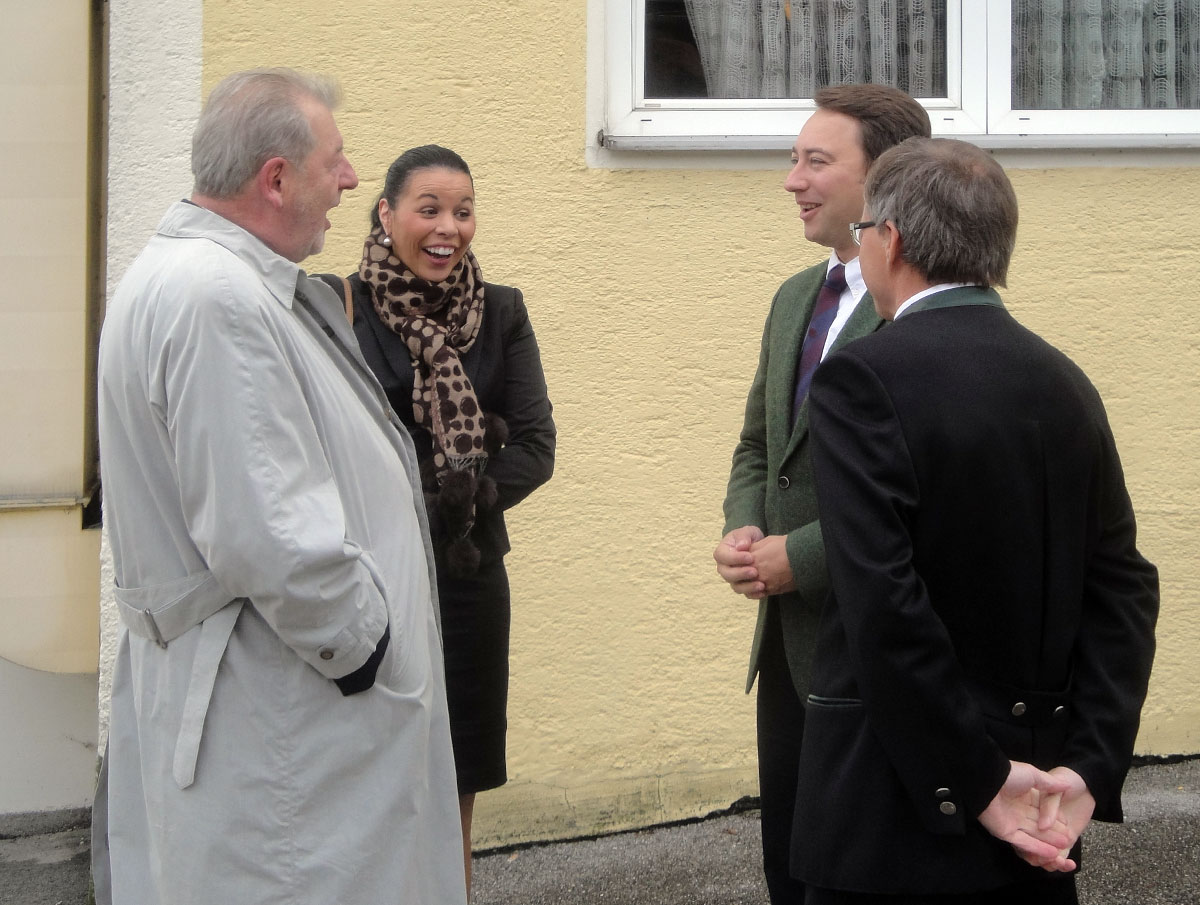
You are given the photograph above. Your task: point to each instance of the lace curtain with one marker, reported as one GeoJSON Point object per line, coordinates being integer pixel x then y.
{"type": "Point", "coordinates": [1067, 54]}
{"type": "Point", "coordinates": [1106, 54]}
{"type": "Point", "coordinates": [790, 48]}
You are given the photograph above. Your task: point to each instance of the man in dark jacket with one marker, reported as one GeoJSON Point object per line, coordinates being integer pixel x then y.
{"type": "Point", "coordinates": [983, 658]}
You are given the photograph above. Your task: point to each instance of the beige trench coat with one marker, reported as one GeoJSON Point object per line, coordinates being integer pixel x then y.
{"type": "Point", "coordinates": [266, 527]}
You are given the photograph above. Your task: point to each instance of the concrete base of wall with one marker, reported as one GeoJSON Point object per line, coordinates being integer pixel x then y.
{"type": "Point", "coordinates": [48, 760]}
{"type": "Point", "coordinates": [543, 811]}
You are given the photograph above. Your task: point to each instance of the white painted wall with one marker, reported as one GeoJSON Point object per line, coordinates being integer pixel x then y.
{"type": "Point", "coordinates": [154, 100]}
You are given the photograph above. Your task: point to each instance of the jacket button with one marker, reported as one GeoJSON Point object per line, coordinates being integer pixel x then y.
{"type": "Point", "coordinates": [948, 808]}
{"type": "Point", "coordinates": [326, 655]}
{"type": "Point", "coordinates": [1059, 709]}
{"type": "Point", "coordinates": [784, 483]}
{"type": "Point", "coordinates": [942, 793]}
{"type": "Point", "coordinates": [1019, 709]}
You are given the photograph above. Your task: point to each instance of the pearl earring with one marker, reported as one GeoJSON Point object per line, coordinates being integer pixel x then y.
{"type": "Point", "coordinates": [386, 241]}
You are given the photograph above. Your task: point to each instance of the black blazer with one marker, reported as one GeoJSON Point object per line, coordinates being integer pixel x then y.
{"type": "Point", "coordinates": [506, 370]}
{"type": "Point", "coordinates": [989, 602]}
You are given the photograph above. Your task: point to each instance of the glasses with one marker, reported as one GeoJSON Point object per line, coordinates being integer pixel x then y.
{"type": "Point", "coordinates": [856, 230]}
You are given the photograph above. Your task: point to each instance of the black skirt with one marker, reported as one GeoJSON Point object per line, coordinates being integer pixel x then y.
{"type": "Point", "coordinates": [475, 625]}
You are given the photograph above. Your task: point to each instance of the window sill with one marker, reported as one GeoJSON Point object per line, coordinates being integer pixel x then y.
{"type": "Point", "coordinates": [991, 142]}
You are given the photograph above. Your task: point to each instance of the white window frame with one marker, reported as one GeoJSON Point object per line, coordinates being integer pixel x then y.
{"type": "Point", "coordinates": [978, 106]}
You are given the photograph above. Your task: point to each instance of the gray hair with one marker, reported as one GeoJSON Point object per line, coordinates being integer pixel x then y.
{"type": "Point", "coordinates": [251, 117]}
{"type": "Point", "coordinates": [953, 206]}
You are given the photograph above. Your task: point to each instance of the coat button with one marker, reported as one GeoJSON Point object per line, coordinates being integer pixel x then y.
{"type": "Point", "coordinates": [1059, 710]}
{"type": "Point", "coordinates": [948, 808]}
{"type": "Point", "coordinates": [784, 483]}
{"type": "Point", "coordinates": [1019, 709]}
{"type": "Point", "coordinates": [942, 793]}
{"type": "Point", "coordinates": [326, 655]}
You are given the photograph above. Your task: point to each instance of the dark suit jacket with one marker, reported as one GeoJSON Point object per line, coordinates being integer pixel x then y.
{"type": "Point", "coordinates": [771, 483]}
{"type": "Point", "coordinates": [506, 370]}
{"type": "Point", "coordinates": [988, 600]}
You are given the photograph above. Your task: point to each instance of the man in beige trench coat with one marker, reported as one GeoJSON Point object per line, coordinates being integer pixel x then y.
{"type": "Point", "coordinates": [278, 727]}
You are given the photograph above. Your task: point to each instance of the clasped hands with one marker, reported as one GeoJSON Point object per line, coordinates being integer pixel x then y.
{"type": "Point", "coordinates": [754, 565]}
{"type": "Point", "coordinates": [1040, 814]}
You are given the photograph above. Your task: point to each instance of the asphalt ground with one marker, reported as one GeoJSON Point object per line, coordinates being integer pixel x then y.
{"type": "Point", "coordinates": [1151, 859]}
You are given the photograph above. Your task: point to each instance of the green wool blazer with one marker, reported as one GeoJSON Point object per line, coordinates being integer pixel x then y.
{"type": "Point", "coordinates": [771, 480]}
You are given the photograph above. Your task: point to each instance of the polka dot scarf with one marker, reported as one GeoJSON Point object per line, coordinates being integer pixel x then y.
{"type": "Point", "coordinates": [438, 322]}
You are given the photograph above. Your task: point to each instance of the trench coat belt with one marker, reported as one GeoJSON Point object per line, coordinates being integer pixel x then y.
{"type": "Point", "coordinates": [163, 612]}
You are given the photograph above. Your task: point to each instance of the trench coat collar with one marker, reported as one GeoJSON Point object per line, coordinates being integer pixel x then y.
{"type": "Point", "coordinates": [185, 220]}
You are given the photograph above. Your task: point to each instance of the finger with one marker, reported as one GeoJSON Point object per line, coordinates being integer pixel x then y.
{"type": "Point", "coordinates": [1048, 810]}
{"type": "Point", "coordinates": [728, 556]}
{"type": "Point", "coordinates": [736, 574]}
{"type": "Point", "coordinates": [1029, 859]}
{"type": "Point", "coordinates": [1053, 837]}
{"type": "Point", "coordinates": [1027, 845]}
{"type": "Point", "coordinates": [1050, 784]}
{"type": "Point", "coordinates": [1060, 860]}
{"type": "Point", "coordinates": [1024, 817]}
{"type": "Point", "coordinates": [1061, 864]}
{"type": "Point", "coordinates": [738, 540]}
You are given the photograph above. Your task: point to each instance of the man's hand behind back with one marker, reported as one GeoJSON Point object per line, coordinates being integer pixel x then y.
{"type": "Point", "coordinates": [1026, 814]}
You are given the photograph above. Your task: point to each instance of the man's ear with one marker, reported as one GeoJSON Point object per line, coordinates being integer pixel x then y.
{"type": "Point", "coordinates": [270, 181]}
{"type": "Point", "coordinates": [893, 243]}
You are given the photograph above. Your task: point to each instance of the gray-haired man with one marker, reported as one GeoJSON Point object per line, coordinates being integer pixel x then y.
{"type": "Point", "coordinates": [982, 660]}
{"type": "Point", "coordinates": [278, 726]}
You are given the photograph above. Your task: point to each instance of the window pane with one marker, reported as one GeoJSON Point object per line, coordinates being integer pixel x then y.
{"type": "Point", "coordinates": [672, 61]}
{"type": "Point", "coordinates": [1106, 54]}
{"type": "Point", "coordinates": [790, 48]}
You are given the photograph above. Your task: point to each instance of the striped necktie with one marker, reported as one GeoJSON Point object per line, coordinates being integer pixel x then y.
{"type": "Point", "coordinates": [818, 329]}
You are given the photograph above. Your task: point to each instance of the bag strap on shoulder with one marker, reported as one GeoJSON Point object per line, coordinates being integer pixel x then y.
{"type": "Point", "coordinates": [349, 297]}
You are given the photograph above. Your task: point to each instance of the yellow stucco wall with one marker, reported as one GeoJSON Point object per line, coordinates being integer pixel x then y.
{"type": "Point", "coordinates": [648, 290]}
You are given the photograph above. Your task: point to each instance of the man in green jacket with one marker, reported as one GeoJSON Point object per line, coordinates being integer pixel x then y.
{"type": "Point", "coordinates": [772, 550]}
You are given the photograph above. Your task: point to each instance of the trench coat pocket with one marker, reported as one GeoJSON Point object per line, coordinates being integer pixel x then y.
{"type": "Point", "coordinates": [162, 613]}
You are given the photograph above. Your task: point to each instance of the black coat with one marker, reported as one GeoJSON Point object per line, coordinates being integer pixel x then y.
{"type": "Point", "coordinates": [505, 368]}
{"type": "Point", "coordinates": [988, 602]}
